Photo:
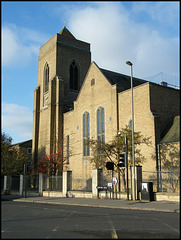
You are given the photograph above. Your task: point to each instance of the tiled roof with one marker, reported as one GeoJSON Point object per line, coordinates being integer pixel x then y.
{"type": "Point", "coordinates": [23, 143]}
{"type": "Point", "coordinates": [123, 81]}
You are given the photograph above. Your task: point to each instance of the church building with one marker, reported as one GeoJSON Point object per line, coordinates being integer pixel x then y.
{"type": "Point", "coordinates": [76, 100]}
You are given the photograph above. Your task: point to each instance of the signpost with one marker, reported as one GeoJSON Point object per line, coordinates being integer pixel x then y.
{"type": "Point", "coordinates": [114, 181]}
{"type": "Point", "coordinates": [109, 185]}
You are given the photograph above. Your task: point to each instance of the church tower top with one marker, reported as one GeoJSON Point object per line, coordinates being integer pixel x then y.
{"type": "Point", "coordinates": [67, 33]}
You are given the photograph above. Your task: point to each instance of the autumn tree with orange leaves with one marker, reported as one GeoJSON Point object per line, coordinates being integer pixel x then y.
{"type": "Point", "coordinates": [51, 163]}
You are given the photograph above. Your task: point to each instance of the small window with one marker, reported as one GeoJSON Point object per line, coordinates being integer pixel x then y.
{"type": "Point", "coordinates": [130, 124]}
{"type": "Point", "coordinates": [92, 82]}
{"type": "Point", "coordinates": [29, 150]}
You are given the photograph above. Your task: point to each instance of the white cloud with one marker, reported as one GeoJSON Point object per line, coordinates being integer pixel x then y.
{"type": "Point", "coordinates": [116, 37]}
{"type": "Point", "coordinates": [18, 120]}
{"type": "Point", "coordinates": [20, 45]}
{"type": "Point", "coordinates": [166, 13]}
{"type": "Point", "coordinates": [9, 46]}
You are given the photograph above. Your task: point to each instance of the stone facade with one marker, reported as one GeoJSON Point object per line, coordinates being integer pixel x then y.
{"type": "Point", "coordinates": [57, 54]}
{"type": "Point", "coordinates": [148, 116]}
{"type": "Point", "coordinates": [58, 113]}
{"type": "Point", "coordinates": [91, 97]}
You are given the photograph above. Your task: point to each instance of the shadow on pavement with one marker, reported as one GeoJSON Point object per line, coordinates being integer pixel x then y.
{"type": "Point", "coordinates": [9, 197]}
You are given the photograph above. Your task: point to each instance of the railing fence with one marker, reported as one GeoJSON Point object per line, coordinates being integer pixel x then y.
{"type": "Point", "coordinates": [52, 183]}
{"type": "Point", "coordinates": [81, 184]}
{"type": "Point", "coordinates": [163, 181]}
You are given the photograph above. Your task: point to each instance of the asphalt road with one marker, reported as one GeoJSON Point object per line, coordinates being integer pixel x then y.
{"type": "Point", "coordinates": [34, 220]}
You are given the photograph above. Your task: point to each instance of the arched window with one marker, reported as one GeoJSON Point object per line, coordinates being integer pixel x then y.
{"type": "Point", "coordinates": [100, 126]}
{"type": "Point", "coordinates": [86, 134]}
{"type": "Point", "coordinates": [74, 76]}
{"type": "Point", "coordinates": [46, 78]}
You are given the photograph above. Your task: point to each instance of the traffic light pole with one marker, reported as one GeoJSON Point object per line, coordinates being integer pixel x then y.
{"type": "Point", "coordinates": [127, 186]}
{"type": "Point", "coordinates": [112, 186]}
{"type": "Point", "coordinates": [126, 163]}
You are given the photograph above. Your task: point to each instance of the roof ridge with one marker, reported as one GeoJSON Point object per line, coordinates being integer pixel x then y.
{"type": "Point", "coordinates": [66, 32]}
{"type": "Point", "coordinates": [123, 74]}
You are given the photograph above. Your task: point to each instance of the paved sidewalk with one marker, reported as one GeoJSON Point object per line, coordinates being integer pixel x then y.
{"type": "Point", "coordinates": [163, 206]}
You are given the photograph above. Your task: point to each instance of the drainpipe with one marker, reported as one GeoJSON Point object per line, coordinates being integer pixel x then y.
{"type": "Point", "coordinates": [159, 169]}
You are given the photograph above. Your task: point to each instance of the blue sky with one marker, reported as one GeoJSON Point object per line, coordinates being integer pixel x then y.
{"type": "Point", "coordinates": [145, 33]}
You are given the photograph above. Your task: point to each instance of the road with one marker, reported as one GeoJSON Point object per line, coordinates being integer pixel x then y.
{"type": "Point", "coordinates": [34, 220]}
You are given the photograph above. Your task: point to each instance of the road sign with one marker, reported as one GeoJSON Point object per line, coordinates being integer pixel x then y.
{"type": "Point", "coordinates": [114, 181]}
{"type": "Point", "coordinates": [110, 166]}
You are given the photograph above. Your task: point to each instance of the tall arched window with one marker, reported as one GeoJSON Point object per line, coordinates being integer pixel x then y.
{"type": "Point", "coordinates": [74, 76]}
{"type": "Point", "coordinates": [46, 78]}
{"type": "Point", "coordinates": [100, 126]}
{"type": "Point", "coordinates": [86, 134]}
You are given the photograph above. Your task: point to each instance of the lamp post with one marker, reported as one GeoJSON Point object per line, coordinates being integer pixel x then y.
{"type": "Point", "coordinates": [133, 151]}
{"type": "Point", "coordinates": [127, 187]}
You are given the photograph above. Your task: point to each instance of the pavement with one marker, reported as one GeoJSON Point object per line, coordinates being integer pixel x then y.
{"type": "Point", "coordinates": [161, 206]}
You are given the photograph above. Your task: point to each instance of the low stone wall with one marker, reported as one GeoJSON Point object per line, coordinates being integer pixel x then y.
{"type": "Point", "coordinates": [52, 194]}
{"type": "Point", "coordinates": [70, 194]}
{"type": "Point", "coordinates": [159, 196]}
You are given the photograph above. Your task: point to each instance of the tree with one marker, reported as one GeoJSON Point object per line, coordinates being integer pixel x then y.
{"type": "Point", "coordinates": [12, 160]}
{"type": "Point", "coordinates": [50, 163]}
{"type": "Point", "coordinates": [110, 151]}
{"type": "Point", "coordinates": [103, 152]}
{"type": "Point", "coordinates": [170, 156]}
{"type": "Point", "coordinates": [170, 159]}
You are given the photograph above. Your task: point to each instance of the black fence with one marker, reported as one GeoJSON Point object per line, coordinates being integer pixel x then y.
{"type": "Point", "coordinates": [52, 183]}
{"type": "Point", "coordinates": [163, 181]}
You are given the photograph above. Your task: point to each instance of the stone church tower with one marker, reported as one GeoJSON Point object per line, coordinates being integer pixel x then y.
{"type": "Point", "coordinates": [62, 66]}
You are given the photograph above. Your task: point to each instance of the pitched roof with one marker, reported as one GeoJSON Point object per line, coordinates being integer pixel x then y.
{"type": "Point", "coordinates": [123, 81]}
{"type": "Point", "coordinates": [23, 143]}
{"type": "Point", "coordinates": [173, 134]}
{"type": "Point", "coordinates": [67, 33]}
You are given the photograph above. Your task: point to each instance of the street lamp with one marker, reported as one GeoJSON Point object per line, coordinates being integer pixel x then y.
{"type": "Point", "coordinates": [133, 156]}
{"type": "Point", "coordinates": [127, 187]}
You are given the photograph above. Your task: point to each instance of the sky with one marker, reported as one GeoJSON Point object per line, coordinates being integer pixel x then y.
{"type": "Point", "coordinates": [145, 33]}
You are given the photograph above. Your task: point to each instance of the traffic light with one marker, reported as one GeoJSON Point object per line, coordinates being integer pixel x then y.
{"type": "Point", "coordinates": [122, 160]}
{"type": "Point", "coordinates": [110, 166]}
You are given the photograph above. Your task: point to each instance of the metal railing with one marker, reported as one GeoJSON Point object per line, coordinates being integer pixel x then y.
{"type": "Point", "coordinates": [52, 183]}
{"type": "Point", "coordinates": [163, 181]}
{"type": "Point", "coordinates": [81, 184]}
